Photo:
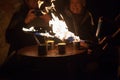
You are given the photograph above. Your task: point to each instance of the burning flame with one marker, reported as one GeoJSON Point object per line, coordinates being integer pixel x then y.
{"type": "Point", "coordinates": [40, 3]}
{"type": "Point", "coordinates": [52, 7]}
{"type": "Point", "coordinates": [60, 29]}
{"type": "Point", "coordinates": [58, 26]}
{"type": "Point", "coordinates": [29, 29]}
{"type": "Point", "coordinates": [47, 9]}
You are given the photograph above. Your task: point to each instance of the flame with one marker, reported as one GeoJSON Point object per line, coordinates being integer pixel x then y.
{"type": "Point", "coordinates": [59, 26]}
{"type": "Point", "coordinates": [31, 29]}
{"type": "Point", "coordinates": [52, 7]}
{"type": "Point", "coordinates": [40, 3]}
{"type": "Point", "coordinates": [60, 29]}
{"type": "Point", "coordinates": [47, 8]}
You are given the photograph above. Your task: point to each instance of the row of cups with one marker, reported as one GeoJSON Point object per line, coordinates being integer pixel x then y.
{"type": "Point", "coordinates": [49, 45]}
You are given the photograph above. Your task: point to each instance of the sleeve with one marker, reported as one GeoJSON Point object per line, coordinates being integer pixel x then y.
{"type": "Point", "coordinates": [14, 34]}
{"type": "Point", "coordinates": [88, 28]}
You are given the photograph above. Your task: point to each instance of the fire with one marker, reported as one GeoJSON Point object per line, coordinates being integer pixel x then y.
{"type": "Point", "coordinates": [31, 29]}
{"type": "Point", "coordinates": [59, 27]}
{"type": "Point", "coordinates": [40, 3]}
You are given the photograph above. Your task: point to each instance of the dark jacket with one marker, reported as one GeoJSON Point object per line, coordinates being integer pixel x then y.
{"type": "Point", "coordinates": [14, 34]}
{"type": "Point", "coordinates": [81, 24]}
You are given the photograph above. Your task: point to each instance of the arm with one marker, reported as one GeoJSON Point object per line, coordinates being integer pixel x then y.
{"type": "Point", "coordinates": [14, 34]}
{"type": "Point", "coordinates": [15, 26]}
{"type": "Point", "coordinates": [87, 30]}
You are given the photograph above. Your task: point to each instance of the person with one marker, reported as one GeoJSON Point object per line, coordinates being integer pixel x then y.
{"type": "Point", "coordinates": [79, 20]}
{"type": "Point", "coordinates": [26, 16]}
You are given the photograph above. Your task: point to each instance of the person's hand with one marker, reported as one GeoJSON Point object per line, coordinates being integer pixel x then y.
{"type": "Point", "coordinates": [30, 16]}
{"type": "Point", "coordinates": [86, 45]}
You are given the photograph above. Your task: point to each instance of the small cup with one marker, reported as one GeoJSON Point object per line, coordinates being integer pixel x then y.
{"type": "Point", "coordinates": [61, 48]}
{"type": "Point", "coordinates": [42, 50]}
{"type": "Point", "coordinates": [50, 44]}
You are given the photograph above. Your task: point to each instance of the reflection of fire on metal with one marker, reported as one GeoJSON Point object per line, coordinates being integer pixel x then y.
{"type": "Point", "coordinates": [57, 23]}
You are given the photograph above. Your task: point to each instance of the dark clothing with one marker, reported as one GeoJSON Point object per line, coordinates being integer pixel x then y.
{"type": "Point", "coordinates": [15, 36]}
{"type": "Point", "coordinates": [81, 24]}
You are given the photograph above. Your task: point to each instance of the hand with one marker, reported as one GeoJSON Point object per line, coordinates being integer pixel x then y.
{"type": "Point", "coordinates": [84, 44]}
{"type": "Point", "coordinates": [30, 16]}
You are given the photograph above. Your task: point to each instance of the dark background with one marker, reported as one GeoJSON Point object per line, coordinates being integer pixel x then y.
{"type": "Point", "coordinates": [107, 8]}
